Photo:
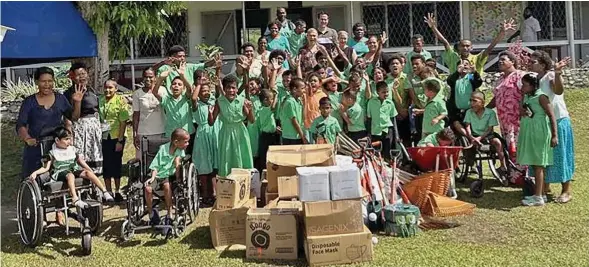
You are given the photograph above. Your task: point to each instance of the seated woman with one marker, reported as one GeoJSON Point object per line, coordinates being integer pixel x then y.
{"type": "Point", "coordinates": [66, 163]}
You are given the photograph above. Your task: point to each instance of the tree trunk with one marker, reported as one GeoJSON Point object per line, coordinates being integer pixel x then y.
{"type": "Point", "coordinates": [98, 67]}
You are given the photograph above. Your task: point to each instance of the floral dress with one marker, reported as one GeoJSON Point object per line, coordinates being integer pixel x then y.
{"type": "Point", "coordinates": [508, 97]}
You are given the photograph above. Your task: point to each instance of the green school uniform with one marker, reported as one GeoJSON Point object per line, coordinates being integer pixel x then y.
{"type": "Point", "coordinates": [189, 73]}
{"type": "Point", "coordinates": [291, 108]}
{"type": "Point", "coordinates": [335, 98]}
{"type": "Point", "coordinates": [479, 125]}
{"type": "Point", "coordinates": [295, 41]}
{"type": "Point", "coordinates": [434, 108]}
{"type": "Point", "coordinates": [408, 69]}
{"type": "Point", "coordinates": [357, 116]}
{"type": "Point", "coordinates": [462, 91]}
{"type": "Point", "coordinates": [205, 151]}
{"type": "Point", "coordinates": [278, 43]}
{"type": "Point", "coordinates": [252, 128]}
{"type": "Point", "coordinates": [533, 144]}
{"type": "Point", "coordinates": [163, 162]}
{"type": "Point", "coordinates": [282, 93]}
{"type": "Point", "coordinates": [402, 89]}
{"type": "Point", "coordinates": [451, 59]}
{"type": "Point", "coordinates": [266, 122]}
{"type": "Point", "coordinates": [417, 84]}
{"type": "Point", "coordinates": [429, 139]}
{"type": "Point", "coordinates": [360, 46]}
{"type": "Point", "coordinates": [64, 161]}
{"type": "Point", "coordinates": [328, 128]}
{"type": "Point", "coordinates": [178, 114]}
{"type": "Point", "coordinates": [235, 150]}
{"type": "Point", "coordinates": [381, 112]}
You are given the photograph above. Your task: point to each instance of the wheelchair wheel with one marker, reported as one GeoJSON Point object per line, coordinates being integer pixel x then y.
{"type": "Point", "coordinates": [180, 227]}
{"type": "Point", "coordinates": [135, 207]}
{"type": "Point", "coordinates": [463, 168]}
{"type": "Point", "coordinates": [495, 165]}
{"type": "Point", "coordinates": [476, 189]}
{"type": "Point", "coordinates": [87, 244]}
{"type": "Point", "coordinates": [195, 196]}
{"type": "Point", "coordinates": [30, 214]}
{"type": "Point", "coordinates": [127, 231]}
{"type": "Point", "coordinates": [95, 217]}
{"type": "Point", "coordinates": [192, 183]}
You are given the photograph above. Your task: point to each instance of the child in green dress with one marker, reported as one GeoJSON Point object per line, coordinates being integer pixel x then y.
{"type": "Point", "coordinates": [435, 109]}
{"type": "Point", "coordinates": [253, 95]}
{"type": "Point", "coordinates": [325, 128]}
{"type": "Point", "coordinates": [444, 137]}
{"type": "Point", "coordinates": [166, 165]}
{"type": "Point", "coordinates": [205, 151]}
{"type": "Point", "coordinates": [266, 123]}
{"type": "Point", "coordinates": [291, 115]}
{"type": "Point", "coordinates": [235, 149]}
{"type": "Point", "coordinates": [66, 164]}
{"type": "Point", "coordinates": [381, 113]}
{"type": "Point", "coordinates": [537, 135]}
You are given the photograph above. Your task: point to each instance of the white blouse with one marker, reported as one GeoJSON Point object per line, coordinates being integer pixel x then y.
{"type": "Point", "coordinates": [557, 101]}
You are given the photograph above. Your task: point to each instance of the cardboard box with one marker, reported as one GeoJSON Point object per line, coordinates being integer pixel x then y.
{"type": "Point", "coordinates": [270, 196]}
{"type": "Point", "coordinates": [288, 187]}
{"type": "Point", "coordinates": [313, 183]}
{"type": "Point", "coordinates": [271, 234]}
{"type": "Point", "coordinates": [283, 160]}
{"type": "Point", "coordinates": [256, 184]}
{"type": "Point", "coordinates": [339, 249]}
{"type": "Point", "coordinates": [233, 191]}
{"type": "Point", "coordinates": [283, 204]}
{"type": "Point", "coordinates": [228, 226]}
{"type": "Point", "coordinates": [333, 217]}
{"type": "Point", "coordinates": [344, 182]}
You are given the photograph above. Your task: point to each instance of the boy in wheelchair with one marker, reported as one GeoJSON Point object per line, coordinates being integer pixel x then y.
{"type": "Point", "coordinates": [478, 129]}
{"type": "Point", "coordinates": [66, 165]}
{"type": "Point", "coordinates": [165, 168]}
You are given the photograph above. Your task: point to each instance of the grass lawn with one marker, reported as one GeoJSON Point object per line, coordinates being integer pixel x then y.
{"type": "Point", "coordinates": [500, 233]}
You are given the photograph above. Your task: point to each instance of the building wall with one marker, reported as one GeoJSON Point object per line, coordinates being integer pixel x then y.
{"type": "Point", "coordinates": [195, 10]}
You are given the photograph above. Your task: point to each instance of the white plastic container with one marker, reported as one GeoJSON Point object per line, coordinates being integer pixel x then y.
{"type": "Point", "coordinates": [313, 184]}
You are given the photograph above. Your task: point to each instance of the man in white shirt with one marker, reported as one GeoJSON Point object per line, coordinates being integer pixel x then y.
{"type": "Point", "coordinates": [530, 28]}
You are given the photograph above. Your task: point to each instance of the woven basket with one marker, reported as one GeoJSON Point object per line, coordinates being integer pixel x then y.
{"type": "Point", "coordinates": [441, 206]}
{"type": "Point", "coordinates": [416, 191]}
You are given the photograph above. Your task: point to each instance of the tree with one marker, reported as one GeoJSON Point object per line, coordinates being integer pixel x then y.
{"type": "Point", "coordinates": [115, 23]}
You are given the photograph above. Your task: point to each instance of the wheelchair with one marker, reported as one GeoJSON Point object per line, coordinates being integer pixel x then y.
{"type": "Point", "coordinates": [37, 198]}
{"type": "Point", "coordinates": [185, 195]}
{"type": "Point", "coordinates": [484, 153]}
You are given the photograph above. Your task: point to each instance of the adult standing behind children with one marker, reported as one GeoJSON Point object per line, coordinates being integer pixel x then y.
{"type": "Point", "coordinates": [417, 42]}
{"type": "Point", "coordinates": [530, 28]}
{"type": "Point", "coordinates": [462, 50]}
{"type": "Point", "coordinates": [358, 42]}
{"type": "Point", "coordinates": [148, 116]}
{"type": "Point", "coordinates": [284, 24]}
{"type": "Point", "coordinates": [176, 57]}
{"type": "Point", "coordinates": [551, 84]}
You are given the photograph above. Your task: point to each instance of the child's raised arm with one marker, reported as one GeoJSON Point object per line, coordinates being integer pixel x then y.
{"type": "Point", "coordinates": [159, 81]}
{"type": "Point", "coordinates": [368, 91]}
{"type": "Point", "coordinates": [248, 111]}
{"type": "Point", "coordinates": [323, 50]}
{"type": "Point", "coordinates": [194, 97]}
{"type": "Point", "coordinates": [545, 103]}
{"type": "Point", "coordinates": [213, 114]}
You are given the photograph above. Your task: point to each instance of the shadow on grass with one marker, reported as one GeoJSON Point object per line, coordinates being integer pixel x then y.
{"type": "Point", "coordinates": [198, 238]}
{"type": "Point", "coordinates": [495, 197]}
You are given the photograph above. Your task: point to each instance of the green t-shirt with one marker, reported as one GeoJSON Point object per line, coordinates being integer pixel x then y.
{"type": "Point", "coordinates": [429, 139]}
{"type": "Point", "coordinates": [479, 125]}
{"type": "Point", "coordinates": [295, 41]}
{"type": "Point", "coordinates": [451, 59]}
{"type": "Point", "coordinates": [266, 122]}
{"type": "Point", "coordinates": [417, 84]}
{"type": "Point", "coordinates": [328, 128]}
{"type": "Point", "coordinates": [357, 117]}
{"type": "Point", "coordinates": [163, 162]}
{"type": "Point", "coordinates": [291, 108]}
{"type": "Point", "coordinates": [178, 114]}
{"type": "Point", "coordinates": [381, 113]}
{"type": "Point", "coordinates": [434, 108]}
{"type": "Point", "coordinates": [408, 69]}
{"type": "Point", "coordinates": [189, 73]}
{"type": "Point", "coordinates": [278, 43]}
{"type": "Point", "coordinates": [335, 99]}
{"type": "Point", "coordinates": [462, 91]}
{"type": "Point", "coordinates": [360, 47]}
{"type": "Point", "coordinates": [114, 112]}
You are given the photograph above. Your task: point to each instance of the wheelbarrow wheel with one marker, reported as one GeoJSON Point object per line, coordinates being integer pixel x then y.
{"type": "Point", "coordinates": [87, 244]}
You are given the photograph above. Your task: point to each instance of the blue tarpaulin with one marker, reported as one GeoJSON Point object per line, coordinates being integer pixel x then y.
{"type": "Point", "coordinates": [45, 32]}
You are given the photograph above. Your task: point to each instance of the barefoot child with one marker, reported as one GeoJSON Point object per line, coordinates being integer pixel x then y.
{"type": "Point", "coordinates": [291, 115]}
{"type": "Point", "coordinates": [444, 137]}
{"type": "Point", "coordinates": [205, 152]}
{"type": "Point", "coordinates": [166, 168]}
{"type": "Point", "coordinates": [381, 113]}
{"type": "Point", "coordinates": [235, 149]}
{"type": "Point", "coordinates": [537, 135]}
{"type": "Point", "coordinates": [435, 109]}
{"type": "Point", "coordinates": [66, 165]}
{"type": "Point", "coordinates": [325, 128]}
